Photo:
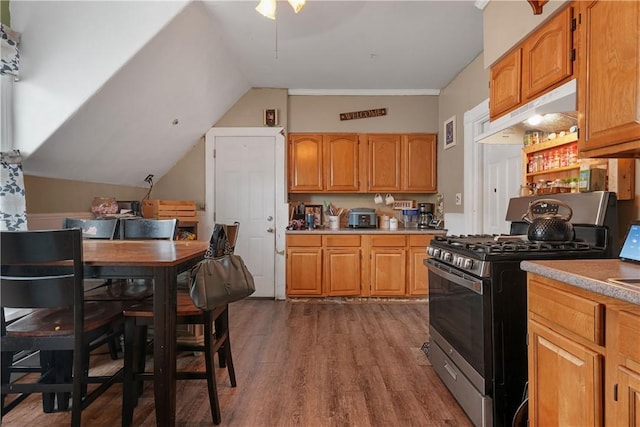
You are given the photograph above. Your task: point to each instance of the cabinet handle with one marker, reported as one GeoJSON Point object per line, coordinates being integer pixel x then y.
{"type": "Point", "coordinates": [615, 392]}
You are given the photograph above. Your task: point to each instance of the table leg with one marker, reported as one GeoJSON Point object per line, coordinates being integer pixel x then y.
{"type": "Point", "coordinates": [164, 347]}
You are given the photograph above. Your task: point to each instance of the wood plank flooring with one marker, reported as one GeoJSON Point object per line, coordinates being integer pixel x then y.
{"type": "Point", "coordinates": [300, 363]}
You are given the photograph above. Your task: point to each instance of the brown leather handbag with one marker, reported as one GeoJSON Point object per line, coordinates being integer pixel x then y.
{"type": "Point", "coordinates": [220, 281]}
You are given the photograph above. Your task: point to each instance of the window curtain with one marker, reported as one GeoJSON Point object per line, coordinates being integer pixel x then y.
{"type": "Point", "coordinates": [10, 61]}
{"type": "Point", "coordinates": [13, 206]}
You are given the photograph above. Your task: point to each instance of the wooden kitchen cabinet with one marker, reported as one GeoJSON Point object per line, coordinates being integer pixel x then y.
{"type": "Point", "coordinates": [384, 158]}
{"type": "Point", "coordinates": [609, 84]}
{"type": "Point", "coordinates": [419, 173]}
{"type": "Point", "coordinates": [342, 260]}
{"type": "Point", "coordinates": [388, 261]}
{"type": "Point", "coordinates": [304, 265]}
{"type": "Point", "coordinates": [418, 278]}
{"type": "Point", "coordinates": [323, 162]}
{"type": "Point", "coordinates": [566, 355]}
{"type": "Point", "coordinates": [401, 163]}
{"type": "Point", "coordinates": [584, 356]}
{"type": "Point", "coordinates": [539, 64]}
{"type": "Point", "coordinates": [505, 87]}
{"type": "Point", "coordinates": [305, 163]}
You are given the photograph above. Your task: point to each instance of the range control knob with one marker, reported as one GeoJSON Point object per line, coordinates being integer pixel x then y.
{"type": "Point", "coordinates": [468, 263]}
{"type": "Point", "coordinates": [446, 256]}
{"type": "Point", "coordinates": [436, 253]}
{"type": "Point", "coordinates": [429, 251]}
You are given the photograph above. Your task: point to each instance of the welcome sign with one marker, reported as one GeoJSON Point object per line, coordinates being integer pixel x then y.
{"type": "Point", "coordinates": [377, 112]}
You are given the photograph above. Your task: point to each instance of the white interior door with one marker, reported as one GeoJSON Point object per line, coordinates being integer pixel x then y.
{"type": "Point", "coordinates": [501, 179]}
{"type": "Point", "coordinates": [245, 192]}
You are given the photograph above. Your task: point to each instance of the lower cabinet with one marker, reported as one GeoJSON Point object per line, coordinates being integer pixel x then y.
{"type": "Point", "coordinates": [388, 262]}
{"type": "Point", "coordinates": [384, 265]}
{"type": "Point", "coordinates": [584, 357]}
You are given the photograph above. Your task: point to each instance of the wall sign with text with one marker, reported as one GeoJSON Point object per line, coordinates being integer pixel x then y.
{"type": "Point", "coordinates": [376, 112]}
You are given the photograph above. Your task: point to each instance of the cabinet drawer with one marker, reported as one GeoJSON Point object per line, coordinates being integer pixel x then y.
{"type": "Point", "coordinates": [422, 240]}
{"type": "Point", "coordinates": [391, 240]}
{"type": "Point", "coordinates": [300, 240]}
{"type": "Point", "coordinates": [576, 314]}
{"type": "Point", "coordinates": [628, 331]}
{"type": "Point", "coordinates": [341, 241]}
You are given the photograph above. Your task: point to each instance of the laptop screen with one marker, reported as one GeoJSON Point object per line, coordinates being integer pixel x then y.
{"type": "Point", "coordinates": [631, 247]}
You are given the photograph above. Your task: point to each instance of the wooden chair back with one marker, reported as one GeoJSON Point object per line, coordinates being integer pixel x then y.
{"type": "Point", "coordinates": [30, 276]}
{"type": "Point", "coordinates": [145, 229]}
{"type": "Point", "coordinates": [93, 228]}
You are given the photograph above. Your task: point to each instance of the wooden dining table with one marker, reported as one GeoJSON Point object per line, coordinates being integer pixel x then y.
{"type": "Point", "coordinates": [162, 261]}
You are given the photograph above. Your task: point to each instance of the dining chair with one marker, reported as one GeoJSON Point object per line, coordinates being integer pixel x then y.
{"type": "Point", "coordinates": [216, 338]}
{"type": "Point", "coordinates": [43, 271]}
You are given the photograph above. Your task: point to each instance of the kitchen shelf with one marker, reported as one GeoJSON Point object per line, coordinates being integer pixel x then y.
{"type": "Point", "coordinates": [553, 143]}
{"type": "Point", "coordinates": [554, 170]}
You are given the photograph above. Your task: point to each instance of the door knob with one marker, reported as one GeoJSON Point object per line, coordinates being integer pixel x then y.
{"type": "Point", "coordinates": [269, 218]}
{"type": "Point", "coordinates": [269, 230]}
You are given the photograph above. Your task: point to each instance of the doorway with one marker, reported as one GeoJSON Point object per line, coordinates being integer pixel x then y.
{"type": "Point", "coordinates": [244, 173]}
{"type": "Point", "coordinates": [492, 177]}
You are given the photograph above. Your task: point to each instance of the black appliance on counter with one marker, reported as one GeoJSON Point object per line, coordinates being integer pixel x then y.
{"type": "Point", "coordinates": [478, 301]}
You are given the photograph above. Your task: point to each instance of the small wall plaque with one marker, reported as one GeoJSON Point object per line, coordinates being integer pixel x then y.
{"type": "Point", "coordinates": [365, 114]}
{"type": "Point", "coordinates": [270, 117]}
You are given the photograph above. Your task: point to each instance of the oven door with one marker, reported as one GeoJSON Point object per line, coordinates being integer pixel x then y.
{"type": "Point", "coordinates": [460, 321]}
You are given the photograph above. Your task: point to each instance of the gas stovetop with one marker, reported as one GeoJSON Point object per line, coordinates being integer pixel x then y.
{"type": "Point", "coordinates": [475, 253]}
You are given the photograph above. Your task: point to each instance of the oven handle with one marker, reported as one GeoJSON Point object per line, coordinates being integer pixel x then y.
{"type": "Point", "coordinates": [438, 268]}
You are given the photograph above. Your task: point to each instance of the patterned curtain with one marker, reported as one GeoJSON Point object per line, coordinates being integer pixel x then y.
{"type": "Point", "coordinates": [10, 61]}
{"type": "Point", "coordinates": [13, 206]}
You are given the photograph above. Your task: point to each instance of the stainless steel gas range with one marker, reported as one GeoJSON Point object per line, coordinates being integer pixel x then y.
{"type": "Point", "coordinates": [477, 302]}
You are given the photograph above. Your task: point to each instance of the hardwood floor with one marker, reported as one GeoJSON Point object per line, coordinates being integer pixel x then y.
{"type": "Point", "coordinates": [300, 364]}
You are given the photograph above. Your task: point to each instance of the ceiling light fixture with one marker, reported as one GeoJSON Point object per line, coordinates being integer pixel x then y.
{"type": "Point", "coordinates": [267, 8]}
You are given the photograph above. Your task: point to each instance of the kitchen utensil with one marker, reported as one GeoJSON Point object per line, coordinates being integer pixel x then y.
{"type": "Point", "coordinates": [545, 224]}
{"type": "Point", "coordinates": [388, 199]}
{"type": "Point", "coordinates": [377, 199]}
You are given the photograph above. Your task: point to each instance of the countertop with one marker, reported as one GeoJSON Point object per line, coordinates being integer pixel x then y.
{"type": "Point", "coordinates": [592, 275]}
{"type": "Point", "coordinates": [369, 231]}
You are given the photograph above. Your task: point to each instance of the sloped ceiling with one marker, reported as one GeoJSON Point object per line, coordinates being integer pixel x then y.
{"type": "Point", "coordinates": [202, 56]}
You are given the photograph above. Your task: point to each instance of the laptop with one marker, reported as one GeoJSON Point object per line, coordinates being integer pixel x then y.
{"type": "Point", "coordinates": [631, 247]}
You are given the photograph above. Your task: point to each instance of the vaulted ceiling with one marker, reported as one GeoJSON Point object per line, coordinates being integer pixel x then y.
{"type": "Point", "coordinates": [136, 84]}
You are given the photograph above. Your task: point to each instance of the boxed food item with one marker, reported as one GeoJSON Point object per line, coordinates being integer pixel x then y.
{"type": "Point", "coordinates": [183, 210]}
{"type": "Point", "coordinates": [593, 179]}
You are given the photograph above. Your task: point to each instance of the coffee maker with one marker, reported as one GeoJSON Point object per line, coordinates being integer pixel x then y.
{"type": "Point", "coordinates": [425, 214]}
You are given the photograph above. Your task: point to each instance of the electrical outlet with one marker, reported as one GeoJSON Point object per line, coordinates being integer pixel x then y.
{"type": "Point", "coordinates": [458, 199]}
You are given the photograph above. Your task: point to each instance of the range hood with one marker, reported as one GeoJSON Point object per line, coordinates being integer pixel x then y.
{"type": "Point", "coordinates": [509, 129]}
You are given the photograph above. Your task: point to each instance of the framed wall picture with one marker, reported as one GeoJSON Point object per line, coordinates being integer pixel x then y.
{"type": "Point", "coordinates": [271, 117]}
{"type": "Point", "coordinates": [316, 210]}
{"type": "Point", "coordinates": [449, 132]}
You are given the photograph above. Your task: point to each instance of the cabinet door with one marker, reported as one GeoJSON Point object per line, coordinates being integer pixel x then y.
{"type": "Point", "coordinates": [384, 153]}
{"type": "Point", "coordinates": [565, 380]}
{"type": "Point", "coordinates": [304, 271]}
{"type": "Point", "coordinates": [342, 271]}
{"type": "Point", "coordinates": [305, 163]}
{"type": "Point", "coordinates": [504, 91]}
{"type": "Point", "coordinates": [628, 398]}
{"type": "Point", "coordinates": [418, 283]}
{"type": "Point", "coordinates": [546, 56]}
{"type": "Point", "coordinates": [341, 154]}
{"type": "Point", "coordinates": [609, 84]}
{"type": "Point", "coordinates": [388, 271]}
{"type": "Point", "coordinates": [419, 163]}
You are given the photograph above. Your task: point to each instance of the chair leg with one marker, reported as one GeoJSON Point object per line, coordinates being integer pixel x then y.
{"type": "Point", "coordinates": [48, 399]}
{"type": "Point", "coordinates": [130, 394]}
{"type": "Point", "coordinates": [141, 333]}
{"type": "Point", "coordinates": [214, 403]}
{"type": "Point", "coordinates": [222, 328]}
{"type": "Point", "coordinates": [80, 382]}
{"type": "Point", "coordinates": [64, 367]}
{"type": "Point", "coordinates": [6, 358]}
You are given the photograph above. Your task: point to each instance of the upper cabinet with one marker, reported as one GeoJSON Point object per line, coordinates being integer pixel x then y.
{"type": "Point", "coordinates": [323, 162]}
{"type": "Point", "coordinates": [609, 83]}
{"type": "Point", "coordinates": [305, 163]}
{"type": "Point", "coordinates": [540, 63]}
{"type": "Point", "coordinates": [401, 163]}
{"type": "Point", "coordinates": [350, 163]}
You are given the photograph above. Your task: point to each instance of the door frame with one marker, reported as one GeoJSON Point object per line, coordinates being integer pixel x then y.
{"type": "Point", "coordinates": [474, 120]}
{"type": "Point", "coordinates": [281, 205]}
